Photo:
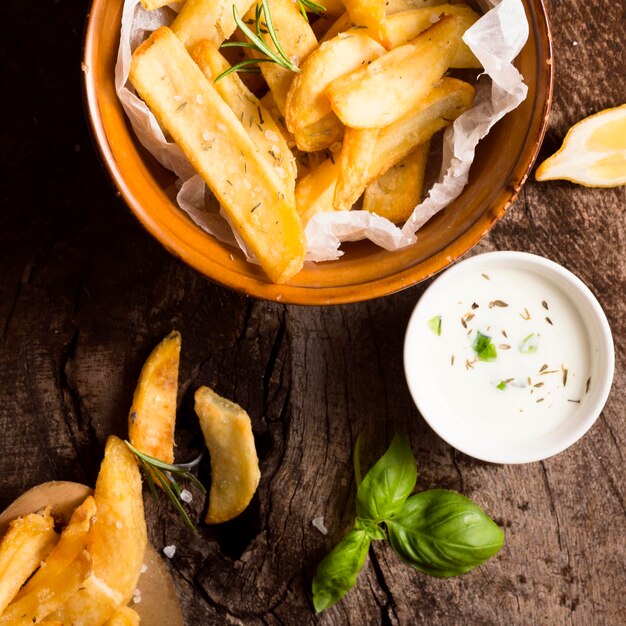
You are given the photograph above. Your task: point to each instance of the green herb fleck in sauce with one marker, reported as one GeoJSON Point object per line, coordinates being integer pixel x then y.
{"type": "Point", "coordinates": [434, 323]}
{"type": "Point", "coordinates": [485, 350]}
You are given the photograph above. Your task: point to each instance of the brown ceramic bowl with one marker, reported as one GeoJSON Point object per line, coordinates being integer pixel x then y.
{"type": "Point", "coordinates": [503, 161]}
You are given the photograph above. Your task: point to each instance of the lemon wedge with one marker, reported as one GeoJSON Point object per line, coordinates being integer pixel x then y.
{"type": "Point", "coordinates": [593, 152]}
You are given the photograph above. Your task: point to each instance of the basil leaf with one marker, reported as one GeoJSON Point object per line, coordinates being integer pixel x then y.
{"type": "Point", "coordinates": [443, 533]}
{"type": "Point", "coordinates": [337, 572]}
{"type": "Point", "coordinates": [373, 530]}
{"type": "Point", "coordinates": [389, 483]}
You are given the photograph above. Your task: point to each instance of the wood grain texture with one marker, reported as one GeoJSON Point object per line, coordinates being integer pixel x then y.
{"type": "Point", "coordinates": [85, 294]}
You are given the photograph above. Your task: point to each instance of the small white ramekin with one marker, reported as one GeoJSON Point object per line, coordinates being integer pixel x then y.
{"type": "Point", "coordinates": [439, 415]}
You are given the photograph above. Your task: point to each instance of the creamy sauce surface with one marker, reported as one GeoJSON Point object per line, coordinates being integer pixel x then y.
{"type": "Point", "coordinates": [537, 352]}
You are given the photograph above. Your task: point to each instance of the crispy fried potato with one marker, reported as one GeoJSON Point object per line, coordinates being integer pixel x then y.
{"type": "Point", "coordinates": [440, 108]}
{"type": "Point", "coordinates": [150, 5]}
{"type": "Point", "coordinates": [333, 7]}
{"type": "Point", "coordinates": [321, 134]}
{"type": "Point", "coordinates": [385, 90]}
{"type": "Point", "coordinates": [306, 101]}
{"type": "Point", "coordinates": [341, 25]}
{"type": "Point", "coordinates": [398, 191]}
{"type": "Point", "coordinates": [70, 547]}
{"type": "Point", "coordinates": [297, 40]}
{"type": "Point", "coordinates": [217, 145]}
{"type": "Point", "coordinates": [397, 6]}
{"type": "Point", "coordinates": [117, 541]}
{"type": "Point", "coordinates": [46, 598]}
{"type": "Point", "coordinates": [152, 416]}
{"type": "Point", "coordinates": [371, 14]}
{"type": "Point", "coordinates": [256, 119]}
{"type": "Point", "coordinates": [356, 154]}
{"type": "Point", "coordinates": [406, 26]}
{"type": "Point", "coordinates": [208, 19]}
{"type": "Point", "coordinates": [270, 105]}
{"type": "Point", "coordinates": [234, 464]}
{"type": "Point", "coordinates": [123, 617]}
{"type": "Point", "coordinates": [27, 542]}
{"type": "Point", "coordinates": [315, 191]}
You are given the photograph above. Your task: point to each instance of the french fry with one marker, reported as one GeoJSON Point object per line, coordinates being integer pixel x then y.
{"type": "Point", "coordinates": [256, 119]}
{"type": "Point", "coordinates": [70, 547]}
{"type": "Point", "coordinates": [441, 107]}
{"type": "Point", "coordinates": [217, 145]}
{"type": "Point", "coordinates": [152, 415]}
{"type": "Point", "coordinates": [398, 191]}
{"type": "Point", "coordinates": [398, 6]}
{"type": "Point", "coordinates": [385, 90]}
{"type": "Point", "coordinates": [27, 542]}
{"type": "Point", "coordinates": [371, 14]}
{"type": "Point", "coordinates": [321, 134]}
{"type": "Point", "coordinates": [306, 101]}
{"type": "Point", "coordinates": [333, 7]}
{"type": "Point", "coordinates": [234, 464]}
{"type": "Point", "coordinates": [124, 616]}
{"type": "Point", "coordinates": [356, 154]}
{"type": "Point", "coordinates": [341, 25]}
{"type": "Point", "coordinates": [297, 40]}
{"type": "Point", "coordinates": [150, 5]}
{"type": "Point", "coordinates": [406, 26]}
{"type": "Point", "coordinates": [270, 105]}
{"type": "Point", "coordinates": [43, 600]}
{"type": "Point", "coordinates": [315, 191]}
{"type": "Point", "coordinates": [208, 19]}
{"type": "Point", "coordinates": [116, 542]}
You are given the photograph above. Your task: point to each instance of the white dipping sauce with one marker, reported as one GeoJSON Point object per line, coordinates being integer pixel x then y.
{"type": "Point", "coordinates": [541, 371]}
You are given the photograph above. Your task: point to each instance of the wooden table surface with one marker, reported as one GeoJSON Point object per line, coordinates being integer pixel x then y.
{"type": "Point", "coordinates": [85, 294]}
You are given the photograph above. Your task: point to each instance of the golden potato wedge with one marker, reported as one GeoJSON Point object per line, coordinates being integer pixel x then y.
{"type": "Point", "coordinates": [270, 105]}
{"type": "Point", "coordinates": [371, 14]}
{"type": "Point", "coordinates": [70, 547]}
{"type": "Point", "coordinates": [341, 25]}
{"type": "Point", "coordinates": [256, 119]}
{"type": "Point", "coordinates": [356, 153]}
{"type": "Point", "coordinates": [152, 415]}
{"type": "Point", "coordinates": [406, 26]}
{"type": "Point", "coordinates": [441, 107]}
{"type": "Point", "coordinates": [234, 464]}
{"type": "Point", "coordinates": [306, 101]}
{"type": "Point", "coordinates": [320, 135]}
{"type": "Point", "coordinates": [117, 541]}
{"type": "Point", "coordinates": [398, 6]}
{"type": "Point", "coordinates": [297, 40]}
{"type": "Point", "coordinates": [382, 92]}
{"type": "Point", "coordinates": [123, 617]}
{"type": "Point", "coordinates": [208, 19]}
{"type": "Point", "coordinates": [333, 7]}
{"type": "Point", "coordinates": [315, 191]}
{"type": "Point", "coordinates": [46, 598]}
{"type": "Point", "coordinates": [27, 542]}
{"type": "Point", "coordinates": [215, 142]}
{"type": "Point", "coordinates": [398, 191]}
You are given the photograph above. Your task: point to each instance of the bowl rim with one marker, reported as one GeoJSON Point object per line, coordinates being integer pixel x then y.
{"type": "Point", "coordinates": [580, 296]}
{"type": "Point", "coordinates": [337, 294]}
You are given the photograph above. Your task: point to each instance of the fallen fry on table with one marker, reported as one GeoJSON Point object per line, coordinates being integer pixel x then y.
{"type": "Point", "coordinates": [27, 542]}
{"type": "Point", "coordinates": [234, 464]}
{"type": "Point", "coordinates": [152, 416]}
{"type": "Point", "coordinates": [116, 542]}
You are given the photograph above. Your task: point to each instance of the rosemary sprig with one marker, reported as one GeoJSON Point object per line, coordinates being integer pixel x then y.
{"type": "Point", "coordinates": [313, 7]}
{"type": "Point", "coordinates": [165, 474]}
{"type": "Point", "coordinates": [262, 21]}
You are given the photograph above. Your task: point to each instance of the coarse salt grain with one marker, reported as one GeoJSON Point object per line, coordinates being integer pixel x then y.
{"type": "Point", "coordinates": [434, 19]}
{"type": "Point", "coordinates": [186, 496]}
{"type": "Point", "coordinates": [318, 522]}
{"type": "Point", "coordinates": [169, 551]}
{"type": "Point", "coordinates": [199, 99]}
{"type": "Point", "coordinates": [118, 525]}
{"type": "Point", "coordinates": [144, 568]}
{"type": "Point", "coordinates": [271, 135]}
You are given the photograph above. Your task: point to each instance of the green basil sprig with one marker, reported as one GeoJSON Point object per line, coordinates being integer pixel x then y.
{"type": "Point", "coordinates": [438, 532]}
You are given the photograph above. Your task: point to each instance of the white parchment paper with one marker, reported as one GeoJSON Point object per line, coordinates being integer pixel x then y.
{"type": "Point", "coordinates": [496, 39]}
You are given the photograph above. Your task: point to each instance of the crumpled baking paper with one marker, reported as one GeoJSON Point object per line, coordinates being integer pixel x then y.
{"type": "Point", "coordinates": [496, 39]}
